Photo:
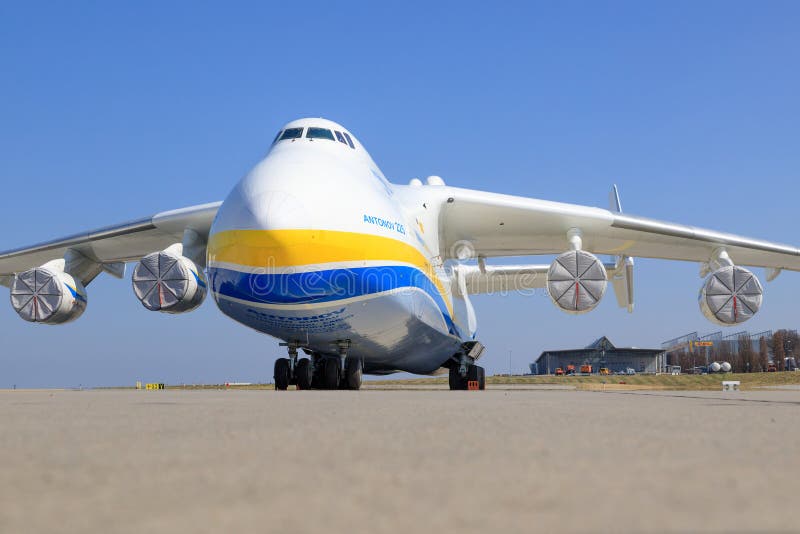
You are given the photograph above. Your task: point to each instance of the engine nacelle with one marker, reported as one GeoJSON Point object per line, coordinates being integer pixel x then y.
{"type": "Point", "coordinates": [730, 295]}
{"type": "Point", "coordinates": [576, 281]}
{"type": "Point", "coordinates": [48, 296]}
{"type": "Point", "coordinates": [169, 282]}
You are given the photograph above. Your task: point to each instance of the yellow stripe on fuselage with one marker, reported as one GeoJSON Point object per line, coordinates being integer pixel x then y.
{"type": "Point", "coordinates": [291, 248]}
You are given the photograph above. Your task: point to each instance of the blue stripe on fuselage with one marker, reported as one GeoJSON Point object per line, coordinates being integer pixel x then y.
{"type": "Point", "coordinates": [323, 286]}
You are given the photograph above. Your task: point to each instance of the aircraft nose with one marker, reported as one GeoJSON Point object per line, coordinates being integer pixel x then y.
{"type": "Point", "coordinates": [247, 228]}
{"type": "Point", "coordinates": [263, 209]}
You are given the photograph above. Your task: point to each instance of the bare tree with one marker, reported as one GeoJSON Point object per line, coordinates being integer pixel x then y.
{"type": "Point", "coordinates": [763, 354]}
{"type": "Point", "coordinates": [685, 360]}
{"type": "Point", "coordinates": [778, 351]}
{"type": "Point", "coordinates": [746, 359]}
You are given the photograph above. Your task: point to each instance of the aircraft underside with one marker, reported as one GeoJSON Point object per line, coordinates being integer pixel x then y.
{"type": "Point", "coordinates": [376, 334]}
{"type": "Point", "coordinates": [389, 332]}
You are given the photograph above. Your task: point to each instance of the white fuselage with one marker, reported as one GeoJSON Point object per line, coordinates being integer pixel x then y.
{"type": "Point", "coordinates": [315, 246]}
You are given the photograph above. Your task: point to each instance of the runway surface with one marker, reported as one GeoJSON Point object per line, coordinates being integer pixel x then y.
{"type": "Point", "coordinates": [398, 461]}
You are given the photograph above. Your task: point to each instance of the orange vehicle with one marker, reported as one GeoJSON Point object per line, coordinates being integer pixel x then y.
{"type": "Point", "coordinates": [559, 371]}
{"type": "Point", "coordinates": [605, 371]}
{"type": "Point", "coordinates": [586, 369]}
{"type": "Point", "coordinates": [570, 369]}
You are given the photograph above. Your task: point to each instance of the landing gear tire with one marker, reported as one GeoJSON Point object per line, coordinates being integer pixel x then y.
{"type": "Point", "coordinates": [282, 374]}
{"type": "Point", "coordinates": [456, 380]}
{"type": "Point", "coordinates": [303, 374]}
{"type": "Point", "coordinates": [331, 373]}
{"type": "Point", "coordinates": [352, 374]}
{"type": "Point", "coordinates": [317, 381]}
{"type": "Point", "coordinates": [475, 373]}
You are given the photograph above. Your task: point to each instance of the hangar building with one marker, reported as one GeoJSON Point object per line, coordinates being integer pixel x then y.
{"type": "Point", "coordinates": [601, 353]}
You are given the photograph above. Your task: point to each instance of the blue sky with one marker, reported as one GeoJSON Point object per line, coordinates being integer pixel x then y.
{"type": "Point", "coordinates": [109, 112]}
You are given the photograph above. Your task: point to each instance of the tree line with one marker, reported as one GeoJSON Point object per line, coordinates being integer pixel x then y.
{"type": "Point", "coordinates": [744, 354]}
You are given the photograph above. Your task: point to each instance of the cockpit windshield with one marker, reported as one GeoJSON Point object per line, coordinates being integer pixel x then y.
{"type": "Point", "coordinates": [319, 133]}
{"type": "Point", "coordinates": [314, 132]}
{"type": "Point", "coordinates": [292, 133]}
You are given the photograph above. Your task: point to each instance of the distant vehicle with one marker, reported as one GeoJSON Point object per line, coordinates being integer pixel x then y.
{"type": "Point", "coordinates": [586, 369]}
{"type": "Point", "coordinates": [605, 371]}
{"type": "Point", "coordinates": [630, 371]}
{"type": "Point", "coordinates": [772, 368]}
{"type": "Point", "coordinates": [570, 369]}
{"type": "Point", "coordinates": [674, 369]}
{"type": "Point", "coordinates": [559, 371]}
{"type": "Point", "coordinates": [698, 370]}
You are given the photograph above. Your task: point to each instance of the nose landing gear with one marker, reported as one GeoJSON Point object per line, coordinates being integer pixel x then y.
{"type": "Point", "coordinates": [304, 374]}
{"type": "Point", "coordinates": [319, 372]}
{"type": "Point", "coordinates": [292, 370]}
{"type": "Point", "coordinates": [349, 370]}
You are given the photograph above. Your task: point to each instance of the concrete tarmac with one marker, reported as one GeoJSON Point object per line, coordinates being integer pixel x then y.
{"type": "Point", "coordinates": [399, 461]}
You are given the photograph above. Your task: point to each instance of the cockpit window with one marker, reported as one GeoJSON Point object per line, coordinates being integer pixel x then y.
{"type": "Point", "coordinates": [339, 136]}
{"type": "Point", "coordinates": [277, 136]}
{"type": "Point", "coordinates": [291, 133]}
{"type": "Point", "coordinates": [319, 133]}
{"type": "Point", "coordinates": [349, 141]}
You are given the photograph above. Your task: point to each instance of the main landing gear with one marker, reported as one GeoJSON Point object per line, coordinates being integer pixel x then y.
{"type": "Point", "coordinates": [464, 374]}
{"type": "Point", "coordinates": [318, 372]}
{"type": "Point", "coordinates": [474, 374]}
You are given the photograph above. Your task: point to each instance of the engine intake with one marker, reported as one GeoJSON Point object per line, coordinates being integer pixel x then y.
{"type": "Point", "coordinates": [730, 295]}
{"type": "Point", "coordinates": [576, 281]}
{"type": "Point", "coordinates": [168, 282]}
{"type": "Point", "coordinates": [47, 296]}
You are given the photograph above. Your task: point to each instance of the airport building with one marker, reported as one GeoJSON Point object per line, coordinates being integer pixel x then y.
{"type": "Point", "coordinates": [601, 354]}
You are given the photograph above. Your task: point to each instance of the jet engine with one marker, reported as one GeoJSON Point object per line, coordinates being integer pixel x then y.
{"type": "Point", "coordinates": [169, 282]}
{"type": "Point", "coordinates": [48, 296]}
{"type": "Point", "coordinates": [730, 295]}
{"type": "Point", "coordinates": [576, 281]}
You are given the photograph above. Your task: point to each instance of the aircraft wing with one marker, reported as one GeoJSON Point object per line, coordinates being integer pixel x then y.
{"type": "Point", "coordinates": [503, 225]}
{"type": "Point", "coordinates": [108, 248]}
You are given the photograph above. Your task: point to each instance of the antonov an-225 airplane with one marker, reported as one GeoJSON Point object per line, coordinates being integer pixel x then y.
{"type": "Point", "coordinates": [315, 247]}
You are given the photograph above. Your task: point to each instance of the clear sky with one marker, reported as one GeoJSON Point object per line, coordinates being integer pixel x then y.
{"type": "Point", "coordinates": [113, 111]}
